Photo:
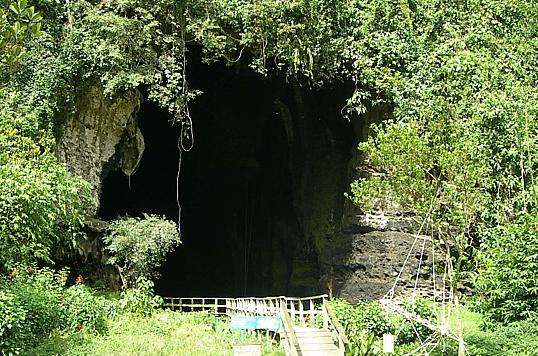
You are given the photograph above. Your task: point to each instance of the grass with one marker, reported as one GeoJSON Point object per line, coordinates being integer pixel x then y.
{"type": "Point", "coordinates": [163, 333]}
{"type": "Point", "coordinates": [172, 333]}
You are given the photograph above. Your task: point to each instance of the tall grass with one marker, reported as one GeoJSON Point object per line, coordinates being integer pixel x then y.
{"type": "Point", "coordinates": [163, 333]}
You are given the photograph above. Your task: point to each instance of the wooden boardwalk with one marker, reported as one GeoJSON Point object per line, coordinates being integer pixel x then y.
{"type": "Point", "coordinates": [309, 326]}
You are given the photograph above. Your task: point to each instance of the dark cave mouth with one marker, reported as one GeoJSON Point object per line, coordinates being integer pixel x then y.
{"type": "Point", "coordinates": [241, 230]}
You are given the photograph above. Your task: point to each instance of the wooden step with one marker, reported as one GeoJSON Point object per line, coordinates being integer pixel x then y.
{"type": "Point", "coordinates": [322, 353]}
{"type": "Point", "coordinates": [300, 329]}
{"type": "Point", "coordinates": [318, 347]}
{"type": "Point", "coordinates": [316, 342]}
{"type": "Point", "coordinates": [314, 332]}
{"type": "Point", "coordinates": [315, 339]}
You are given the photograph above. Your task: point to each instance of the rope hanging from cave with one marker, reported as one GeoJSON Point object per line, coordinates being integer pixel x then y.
{"type": "Point", "coordinates": [443, 294]}
{"type": "Point", "coordinates": [185, 142]}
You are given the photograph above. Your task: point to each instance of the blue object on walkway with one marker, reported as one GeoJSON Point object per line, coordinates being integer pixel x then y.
{"type": "Point", "coordinates": [256, 322]}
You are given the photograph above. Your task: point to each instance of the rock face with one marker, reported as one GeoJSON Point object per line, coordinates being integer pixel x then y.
{"type": "Point", "coordinates": [371, 255]}
{"type": "Point", "coordinates": [93, 137]}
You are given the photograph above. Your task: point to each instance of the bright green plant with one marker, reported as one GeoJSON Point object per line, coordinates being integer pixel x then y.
{"type": "Point", "coordinates": [140, 299]}
{"type": "Point", "coordinates": [406, 330]}
{"type": "Point", "coordinates": [12, 323]}
{"type": "Point", "coordinates": [86, 311]}
{"type": "Point", "coordinates": [138, 246]}
{"type": "Point", "coordinates": [41, 205]}
{"type": "Point", "coordinates": [507, 282]}
{"type": "Point", "coordinates": [367, 321]}
{"type": "Point", "coordinates": [31, 305]}
{"type": "Point", "coordinates": [364, 316]}
{"type": "Point", "coordinates": [514, 339]}
{"type": "Point", "coordinates": [19, 23]}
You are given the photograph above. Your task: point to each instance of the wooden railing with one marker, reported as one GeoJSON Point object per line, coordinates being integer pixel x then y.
{"type": "Point", "coordinates": [214, 305]}
{"type": "Point", "coordinates": [306, 312]}
{"type": "Point", "coordinates": [302, 311]}
{"type": "Point", "coordinates": [331, 323]}
{"type": "Point", "coordinates": [291, 342]}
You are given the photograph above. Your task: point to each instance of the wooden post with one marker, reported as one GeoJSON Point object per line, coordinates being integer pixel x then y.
{"type": "Point", "coordinates": [301, 311]}
{"type": "Point", "coordinates": [325, 315]}
{"type": "Point", "coordinates": [312, 313]}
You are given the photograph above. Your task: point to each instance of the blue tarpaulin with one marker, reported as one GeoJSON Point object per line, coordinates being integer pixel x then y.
{"type": "Point", "coordinates": [272, 323]}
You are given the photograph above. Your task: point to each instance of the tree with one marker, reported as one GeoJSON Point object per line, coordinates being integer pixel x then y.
{"type": "Point", "coordinates": [139, 246]}
{"type": "Point", "coordinates": [19, 24]}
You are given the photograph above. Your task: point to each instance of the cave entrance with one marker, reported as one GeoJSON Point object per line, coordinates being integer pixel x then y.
{"type": "Point", "coordinates": [235, 185]}
{"type": "Point", "coordinates": [240, 185]}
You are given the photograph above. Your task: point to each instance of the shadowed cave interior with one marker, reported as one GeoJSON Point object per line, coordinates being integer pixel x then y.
{"type": "Point", "coordinates": [245, 222]}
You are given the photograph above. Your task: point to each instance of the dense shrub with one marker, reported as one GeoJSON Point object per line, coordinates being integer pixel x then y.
{"type": "Point", "coordinates": [507, 282]}
{"type": "Point", "coordinates": [514, 339]}
{"type": "Point", "coordinates": [34, 303]}
{"type": "Point", "coordinates": [20, 24]}
{"type": "Point", "coordinates": [85, 310]}
{"type": "Point", "coordinates": [12, 317]}
{"type": "Point", "coordinates": [41, 205]}
{"type": "Point", "coordinates": [140, 299]}
{"type": "Point", "coordinates": [368, 319]}
{"type": "Point", "coordinates": [406, 330]}
{"type": "Point", "coordinates": [139, 246]}
{"type": "Point", "coordinates": [31, 298]}
{"type": "Point", "coordinates": [367, 315]}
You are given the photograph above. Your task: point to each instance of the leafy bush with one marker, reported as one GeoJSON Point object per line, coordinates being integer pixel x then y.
{"type": "Point", "coordinates": [34, 303]}
{"type": "Point", "coordinates": [518, 338]}
{"type": "Point", "coordinates": [85, 310]}
{"type": "Point", "coordinates": [31, 299]}
{"type": "Point", "coordinates": [406, 330]}
{"type": "Point", "coordinates": [12, 324]}
{"type": "Point", "coordinates": [366, 315]}
{"type": "Point", "coordinates": [367, 321]}
{"type": "Point", "coordinates": [139, 246]}
{"type": "Point", "coordinates": [139, 300]}
{"type": "Point", "coordinates": [41, 205]}
{"type": "Point", "coordinates": [19, 23]}
{"type": "Point", "coordinates": [507, 277]}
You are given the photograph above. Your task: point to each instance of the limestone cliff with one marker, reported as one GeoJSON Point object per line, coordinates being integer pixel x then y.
{"type": "Point", "coordinates": [101, 134]}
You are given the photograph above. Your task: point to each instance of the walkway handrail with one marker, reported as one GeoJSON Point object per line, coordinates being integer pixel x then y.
{"type": "Point", "coordinates": [330, 322]}
{"type": "Point", "coordinates": [291, 338]}
{"type": "Point", "coordinates": [303, 311]}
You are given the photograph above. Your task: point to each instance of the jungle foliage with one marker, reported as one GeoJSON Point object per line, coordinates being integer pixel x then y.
{"type": "Point", "coordinates": [138, 246]}
{"type": "Point", "coordinates": [34, 302]}
{"type": "Point", "coordinates": [458, 148]}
